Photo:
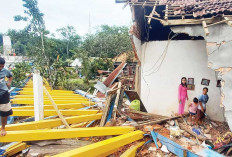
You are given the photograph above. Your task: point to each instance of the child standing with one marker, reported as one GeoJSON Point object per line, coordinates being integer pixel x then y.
{"type": "Point", "coordinates": [193, 109]}
{"type": "Point", "coordinates": [203, 99]}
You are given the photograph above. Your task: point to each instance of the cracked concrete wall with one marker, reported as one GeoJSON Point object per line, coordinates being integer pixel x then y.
{"type": "Point", "coordinates": [159, 90]}
{"type": "Point", "coordinates": [219, 50]}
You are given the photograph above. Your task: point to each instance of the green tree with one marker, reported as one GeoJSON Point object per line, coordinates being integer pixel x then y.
{"type": "Point", "coordinates": [107, 42]}
{"type": "Point", "coordinates": [70, 37]}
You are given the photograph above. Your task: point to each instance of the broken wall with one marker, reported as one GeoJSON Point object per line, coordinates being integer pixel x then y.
{"type": "Point", "coordinates": [159, 84]}
{"type": "Point", "coordinates": [219, 51]}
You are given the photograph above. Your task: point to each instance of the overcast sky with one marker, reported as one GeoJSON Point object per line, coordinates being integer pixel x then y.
{"type": "Point", "coordinates": [60, 13]}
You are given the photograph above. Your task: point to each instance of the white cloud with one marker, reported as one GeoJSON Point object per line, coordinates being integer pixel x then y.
{"type": "Point", "coordinates": [59, 13]}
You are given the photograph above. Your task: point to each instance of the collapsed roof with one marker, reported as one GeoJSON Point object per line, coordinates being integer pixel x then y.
{"type": "Point", "coordinates": [175, 13]}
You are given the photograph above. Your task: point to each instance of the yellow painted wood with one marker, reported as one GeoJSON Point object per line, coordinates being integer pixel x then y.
{"type": "Point", "coordinates": [60, 106]}
{"type": "Point", "coordinates": [51, 123]}
{"type": "Point", "coordinates": [50, 134]}
{"type": "Point", "coordinates": [131, 152]}
{"type": "Point", "coordinates": [105, 147]}
{"type": "Point", "coordinates": [47, 102]}
{"type": "Point", "coordinates": [27, 113]}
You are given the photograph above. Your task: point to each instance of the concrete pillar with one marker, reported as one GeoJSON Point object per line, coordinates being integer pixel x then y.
{"type": "Point", "coordinates": [38, 96]}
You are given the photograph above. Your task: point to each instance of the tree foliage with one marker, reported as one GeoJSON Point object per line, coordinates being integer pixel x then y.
{"type": "Point", "coordinates": [107, 42]}
{"type": "Point", "coordinates": [52, 55]}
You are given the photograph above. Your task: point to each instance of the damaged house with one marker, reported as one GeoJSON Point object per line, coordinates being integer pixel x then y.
{"type": "Point", "coordinates": [174, 39]}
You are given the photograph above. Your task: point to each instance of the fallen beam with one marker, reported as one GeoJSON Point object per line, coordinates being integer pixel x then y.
{"type": "Point", "coordinates": [159, 121]}
{"type": "Point", "coordinates": [46, 102]}
{"type": "Point", "coordinates": [51, 123]}
{"type": "Point", "coordinates": [26, 113]}
{"type": "Point", "coordinates": [131, 152]}
{"type": "Point", "coordinates": [15, 148]}
{"type": "Point", "coordinates": [50, 134]}
{"type": "Point", "coordinates": [50, 107]}
{"type": "Point", "coordinates": [191, 132]}
{"type": "Point", "coordinates": [105, 147]}
{"type": "Point", "coordinates": [54, 96]}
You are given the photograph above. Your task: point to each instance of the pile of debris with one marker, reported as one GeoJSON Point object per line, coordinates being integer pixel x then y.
{"type": "Point", "coordinates": [171, 136]}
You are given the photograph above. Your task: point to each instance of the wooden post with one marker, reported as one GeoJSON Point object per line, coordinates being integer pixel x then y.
{"type": "Point", "coordinates": [38, 96]}
{"type": "Point", "coordinates": [205, 28]}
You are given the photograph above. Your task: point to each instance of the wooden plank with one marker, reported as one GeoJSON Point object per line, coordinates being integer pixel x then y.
{"type": "Point", "coordinates": [191, 132]}
{"type": "Point", "coordinates": [228, 21]}
{"type": "Point", "coordinates": [56, 108]}
{"type": "Point", "coordinates": [159, 121]}
{"type": "Point", "coordinates": [187, 21]}
{"type": "Point", "coordinates": [166, 12]}
{"type": "Point", "coordinates": [205, 28]}
{"type": "Point", "coordinates": [105, 110]}
{"type": "Point", "coordinates": [117, 100]}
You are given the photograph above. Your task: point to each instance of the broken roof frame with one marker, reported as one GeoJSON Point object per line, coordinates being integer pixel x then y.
{"type": "Point", "coordinates": [181, 19]}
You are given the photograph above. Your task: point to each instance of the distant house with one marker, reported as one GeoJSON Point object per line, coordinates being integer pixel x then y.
{"type": "Point", "coordinates": [76, 63]}
{"type": "Point", "coordinates": [131, 61]}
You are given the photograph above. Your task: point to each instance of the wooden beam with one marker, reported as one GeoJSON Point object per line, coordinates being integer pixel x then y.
{"type": "Point", "coordinates": [166, 13]}
{"type": "Point", "coordinates": [106, 110]}
{"type": "Point", "coordinates": [117, 101]}
{"type": "Point", "coordinates": [153, 12]}
{"type": "Point", "coordinates": [228, 21]}
{"type": "Point", "coordinates": [205, 28]}
{"type": "Point", "coordinates": [159, 121]}
{"type": "Point", "coordinates": [182, 126]}
{"type": "Point", "coordinates": [187, 21]}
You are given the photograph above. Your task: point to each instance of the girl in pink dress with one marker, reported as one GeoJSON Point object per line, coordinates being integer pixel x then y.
{"type": "Point", "coordinates": [182, 95]}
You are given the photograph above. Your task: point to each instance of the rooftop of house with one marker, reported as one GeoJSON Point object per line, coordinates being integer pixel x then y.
{"type": "Point", "coordinates": [182, 10]}
{"type": "Point", "coordinates": [149, 16]}
{"type": "Point", "coordinates": [124, 57]}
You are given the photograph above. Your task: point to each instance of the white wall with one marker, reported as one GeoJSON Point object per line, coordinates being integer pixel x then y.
{"type": "Point", "coordinates": [159, 90]}
{"type": "Point", "coordinates": [138, 46]}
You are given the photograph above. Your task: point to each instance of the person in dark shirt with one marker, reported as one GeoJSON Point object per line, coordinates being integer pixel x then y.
{"type": "Point", "coordinates": [203, 99]}
{"type": "Point", "coordinates": [5, 106]}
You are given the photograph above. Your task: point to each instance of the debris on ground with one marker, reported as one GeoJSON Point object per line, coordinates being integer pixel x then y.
{"type": "Point", "coordinates": [122, 107]}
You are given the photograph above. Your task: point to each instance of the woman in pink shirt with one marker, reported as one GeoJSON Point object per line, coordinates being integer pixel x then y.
{"type": "Point", "coordinates": [182, 95]}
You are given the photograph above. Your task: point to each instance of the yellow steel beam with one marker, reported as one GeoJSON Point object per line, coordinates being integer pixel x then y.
{"type": "Point", "coordinates": [51, 123]}
{"type": "Point", "coordinates": [27, 113]}
{"type": "Point", "coordinates": [50, 107]}
{"type": "Point", "coordinates": [46, 99]}
{"type": "Point", "coordinates": [131, 152]}
{"type": "Point", "coordinates": [16, 148]}
{"type": "Point", "coordinates": [105, 147]}
{"type": "Point", "coordinates": [31, 93]}
{"type": "Point", "coordinates": [31, 89]}
{"type": "Point", "coordinates": [47, 102]}
{"type": "Point", "coordinates": [54, 96]}
{"type": "Point", "coordinates": [50, 134]}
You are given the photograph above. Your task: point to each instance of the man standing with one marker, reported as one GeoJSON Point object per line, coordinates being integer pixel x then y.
{"type": "Point", "coordinates": [5, 106]}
